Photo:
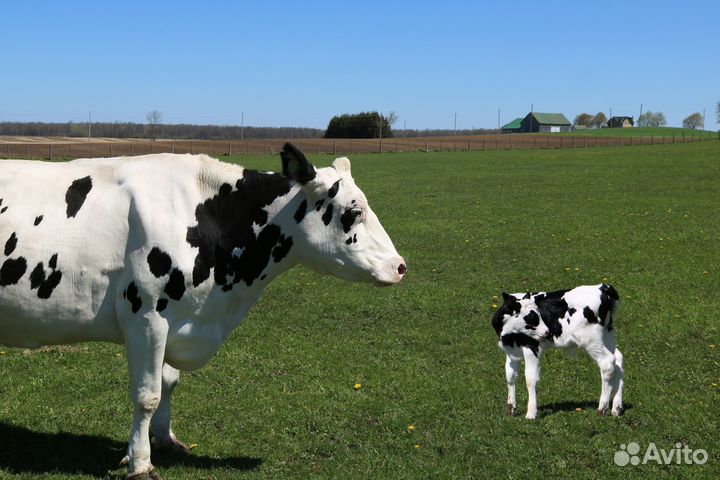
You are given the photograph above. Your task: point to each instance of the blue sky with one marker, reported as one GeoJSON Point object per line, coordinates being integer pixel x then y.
{"type": "Point", "coordinates": [300, 63]}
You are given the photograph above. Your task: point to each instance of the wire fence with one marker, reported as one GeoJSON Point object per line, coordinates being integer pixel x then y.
{"type": "Point", "coordinates": [105, 148]}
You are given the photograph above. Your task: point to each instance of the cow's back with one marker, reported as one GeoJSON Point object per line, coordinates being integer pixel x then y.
{"type": "Point", "coordinates": [68, 231]}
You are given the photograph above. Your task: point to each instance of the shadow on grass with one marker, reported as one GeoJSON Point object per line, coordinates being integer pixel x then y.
{"type": "Point", "coordinates": [26, 451]}
{"type": "Point", "coordinates": [556, 407]}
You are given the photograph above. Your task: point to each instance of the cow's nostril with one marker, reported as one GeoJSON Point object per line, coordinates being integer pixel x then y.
{"type": "Point", "coordinates": [402, 268]}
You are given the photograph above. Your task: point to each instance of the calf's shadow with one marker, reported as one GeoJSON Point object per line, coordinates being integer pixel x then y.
{"type": "Point", "coordinates": [26, 451]}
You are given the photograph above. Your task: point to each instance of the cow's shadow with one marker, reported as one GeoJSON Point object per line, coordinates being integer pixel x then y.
{"type": "Point", "coordinates": [27, 451]}
{"type": "Point", "coordinates": [556, 407]}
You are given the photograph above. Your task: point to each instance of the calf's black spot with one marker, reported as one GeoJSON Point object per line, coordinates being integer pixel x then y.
{"type": "Point", "coordinates": [133, 297]}
{"type": "Point", "coordinates": [334, 189]}
{"type": "Point", "coordinates": [10, 244]}
{"type": "Point", "coordinates": [300, 214]}
{"type": "Point", "coordinates": [159, 262]}
{"type": "Point", "coordinates": [161, 304]}
{"type": "Point", "coordinates": [532, 320]}
{"type": "Point", "coordinates": [319, 204]}
{"type": "Point", "coordinates": [590, 316]}
{"type": "Point", "coordinates": [12, 271]}
{"type": "Point", "coordinates": [347, 219]}
{"type": "Point", "coordinates": [175, 287]}
{"type": "Point", "coordinates": [282, 249]}
{"type": "Point", "coordinates": [76, 194]}
{"type": "Point", "coordinates": [327, 216]}
{"type": "Point", "coordinates": [225, 222]}
{"type": "Point", "coordinates": [553, 308]}
{"type": "Point", "coordinates": [3, 209]}
{"type": "Point", "coordinates": [38, 219]}
{"type": "Point", "coordinates": [510, 306]}
{"type": "Point", "coordinates": [520, 340]}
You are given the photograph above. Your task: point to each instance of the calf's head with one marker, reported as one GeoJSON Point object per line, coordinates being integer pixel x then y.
{"type": "Point", "coordinates": [341, 234]}
{"type": "Point", "coordinates": [519, 316]}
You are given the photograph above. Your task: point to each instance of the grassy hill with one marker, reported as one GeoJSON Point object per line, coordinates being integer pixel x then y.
{"type": "Point", "coordinates": [646, 131]}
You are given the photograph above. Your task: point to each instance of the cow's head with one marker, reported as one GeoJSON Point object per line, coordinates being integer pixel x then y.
{"type": "Point", "coordinates": [342, 236]}
{"type": "Point", "coordinates": [519, 316]}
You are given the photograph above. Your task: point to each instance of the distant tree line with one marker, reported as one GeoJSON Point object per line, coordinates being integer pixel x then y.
{"type": "Point", "coordinates": [650, 119]}
{"type": "Point", "coordinates": [139, 130]}
{"type": "Point", "coordinates": [588, 120]}
{"type": "Point", "coordinates": [360, 125]}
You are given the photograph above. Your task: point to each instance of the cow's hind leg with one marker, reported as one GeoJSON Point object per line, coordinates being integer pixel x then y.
{"type": "Point", "coordinates": [532, 377]}
{"type": "Point", "coordinates": [512, 368]}
{"type": "Point", "coordinates": [605, 360]}
{"type": "Point", "coordinates": [160, 430]}
{"type": "Point", "coordinates": [145, 343]}
{"type": "Point", "coordinates": [617, 404]}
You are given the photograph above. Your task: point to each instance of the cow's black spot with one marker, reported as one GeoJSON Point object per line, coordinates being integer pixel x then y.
{"type": "Point", "coordinates": [159, 262]}
{"type": "Point", "coordinates": [38, 219]}
{"type": "Point", "coordinates": [12, 271]}
{"type": "Point", "coordinates": [571, 311]}
{"type": "Point", "coordinates": [347, 219]}
{"type": "Point", "coordinates": [327, 216]}
{"type": "Point", "coordinates": [3, 209]}
{"type": "Point", "coordinates": [1, 200]}
{"type": "Point", "coordinates": [256, 256]}
{"type": "Point", "coordinates": [300, 214]}
{"type": "Point", "coordinates": [510, 306]}
{"type": "Point", "coordinates": [133, 298]}
{"type": "Point", "coordinates": [225, 222]}
{"type": "Point", "coordinates": [513, 339]}
{"type": "Point", "coordinates": [532, 320]}
{"type": "Point", "coordinates": [281, 251]}
{"type": "Point", "coordinates": [319, 204]}
{"type": "Point", "coordinates": [349, 241]}
{"type": "Point", "coordinates": [175, 287]}
{"type": "Point", "coordinates": [334, 189]}
{"type": "Point", "coordinates": [355, 238]}
{"type": "Point", "coordinates": [45, 285]}
{"type": "Point", "coordinates": [10, 244]}
{"type": "Point", "coordinates": [227, 288]}
{"type": "Point", "coordinates": [161, 304]}
{"type": "Point", "coordinates": [76, 194]}
{"type": "Point", "coordinates": [590, 316]}
{"type": "Point", "coordinates": [527, 296]}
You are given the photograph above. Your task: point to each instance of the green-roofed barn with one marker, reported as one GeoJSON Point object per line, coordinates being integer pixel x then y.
{"type": "Point", "coordinates": [545, 122]}
{"type": "Point", "coordinates": [513, 127]}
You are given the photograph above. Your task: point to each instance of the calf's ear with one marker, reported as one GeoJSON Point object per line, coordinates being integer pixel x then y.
{"type": "Point", "coordinates": [295, 166]}
{"type": "Point", "coordinates": [507, 297]}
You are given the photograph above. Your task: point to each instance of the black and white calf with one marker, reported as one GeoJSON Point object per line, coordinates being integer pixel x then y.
{"type": "Point", "coordinates": [166, 254]}
{"type": "Point", "coordinates": [530, 323]}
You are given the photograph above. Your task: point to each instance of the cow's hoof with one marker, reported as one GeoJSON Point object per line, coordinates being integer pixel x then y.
{"type": "Point", "coordinates": [171, 445]}
{"type": "Point", "coordinates": [616, 412]}
{"type": "Point", "coordinates": [510, 410]}
{"type": "Point", "coordinates": [602, 412]}
{"type": "Point", "coordinates": [151, 475]}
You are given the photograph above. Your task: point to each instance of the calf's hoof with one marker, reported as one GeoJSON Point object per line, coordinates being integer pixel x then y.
{"type": "Point", "coordinates": [151, 475]}
{"type": "Point", "coordinates": [510, 410]}
{"type": "Point", "coordinates": [603, 411]}
{"type": "Point", "coordinates": [616, 412]}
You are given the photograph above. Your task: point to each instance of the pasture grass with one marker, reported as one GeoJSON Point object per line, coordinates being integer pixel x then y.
{"type": "Point", "coordinates": [647, 131]}
{"type": "Point", "coordinates": [278, 401]}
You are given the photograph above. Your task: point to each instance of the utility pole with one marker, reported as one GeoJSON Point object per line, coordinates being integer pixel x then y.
{"type": "Point", "coordinates": [242, 126]}
{"type": "Point", "coordinates": [455, 125]}
{"type": "Point", "coordinates": [641, 105]}
{"type": "Point", "coordinates": [89, 124]}
{"type": "Point", "coordinates": [498, 120]}
{"type": "Point", "coordinates": [703, 119]}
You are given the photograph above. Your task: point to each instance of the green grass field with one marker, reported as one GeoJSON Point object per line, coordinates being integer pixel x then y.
{"type": "Point", "coordinates": [648, 131]}
{"type": "Point", "coordinates": [278, 400]}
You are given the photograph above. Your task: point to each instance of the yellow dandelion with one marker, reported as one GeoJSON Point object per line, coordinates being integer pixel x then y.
{"type": "Point", "coordinates": [3, 353]}
{"type": "Point", "coordinates": [411, 428]}
{"type": "Point", "coordinates": [192, 445]}
{"type": "Point", "coordinates": [417, 445]}
{"type": "Point", "coordinates": [578, 409]}
{"type": "Point", "coordinates": [711, 346]}
{"type": "Point", "coordinates": [494, 305]}
{"type": "Point", "coordinates": [357, 386]}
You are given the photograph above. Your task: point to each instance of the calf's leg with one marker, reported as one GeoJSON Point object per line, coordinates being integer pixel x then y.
{"type": "Point", "coordinates": [532, 377]}
{"type": "Point", "coordinates": [617, 404]}
{"type": "Point", "coordinates": [512, 368]}
{"type": "Point", "coordinates": [605, 360]}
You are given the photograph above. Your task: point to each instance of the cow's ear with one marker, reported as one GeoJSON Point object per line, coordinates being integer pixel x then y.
{"type": "Point", "coordinates": [507, 297]}
{"type": "Point", "coordinates": [295, 166]}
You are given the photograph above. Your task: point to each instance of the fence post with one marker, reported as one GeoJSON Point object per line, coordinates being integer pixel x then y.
{"type": "Point", "coordinates": [111, 150]}
{"type": "Point", "coordinates": [191, 148]}
{"type": "Point", "coordinates": [483, 141]}
{"type": "Point", "coordinates": [511, 141]}
{"type": "Point", "coordinates": [548, 138]}
{"type": "Point", "coordinates": [7, 149]}
{"type": "Point", "coordinates": [468, 145]}
{"type": "Point", "coordinates": [91, 150]}
{"type": "Point", "coordinates": [652, 139]}
{"type": "Point", "coordinates": [334, 147]}
{"type": "Point", "coordinates": [428, 151]}
{"type": "Point", "coordinates": [50, 151]}
{"type": "Point", "coordinates": [27, 151]}
{"type": "Point", "coordinates": [351, 146]}
{"type": "Point", "coordinates": [380, 144]}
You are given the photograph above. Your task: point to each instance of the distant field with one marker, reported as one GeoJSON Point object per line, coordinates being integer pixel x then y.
{"type": "Point", "coordinates": [278, 400]}
{"type": "Point", "coordinates": [647, 131]}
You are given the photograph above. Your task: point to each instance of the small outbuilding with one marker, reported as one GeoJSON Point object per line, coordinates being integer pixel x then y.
{"type": "Point", "coordinates": [513, 127]}
{"type": "Point", "coordinates": [620, 122]}
{"type": "Point", "coordinates": [545, 122]}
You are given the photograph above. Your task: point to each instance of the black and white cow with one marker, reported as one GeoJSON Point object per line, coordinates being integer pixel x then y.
{"type": "Point", "coordinates": [530, 323]}
{"type": "Point", "coordinates": [166, 254]}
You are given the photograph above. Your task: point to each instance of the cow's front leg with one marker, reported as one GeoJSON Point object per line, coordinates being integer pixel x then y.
{"type": "Point", "coordinates": [145, 338]}
{"type": "Point", "coordinates": [160, 428]}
